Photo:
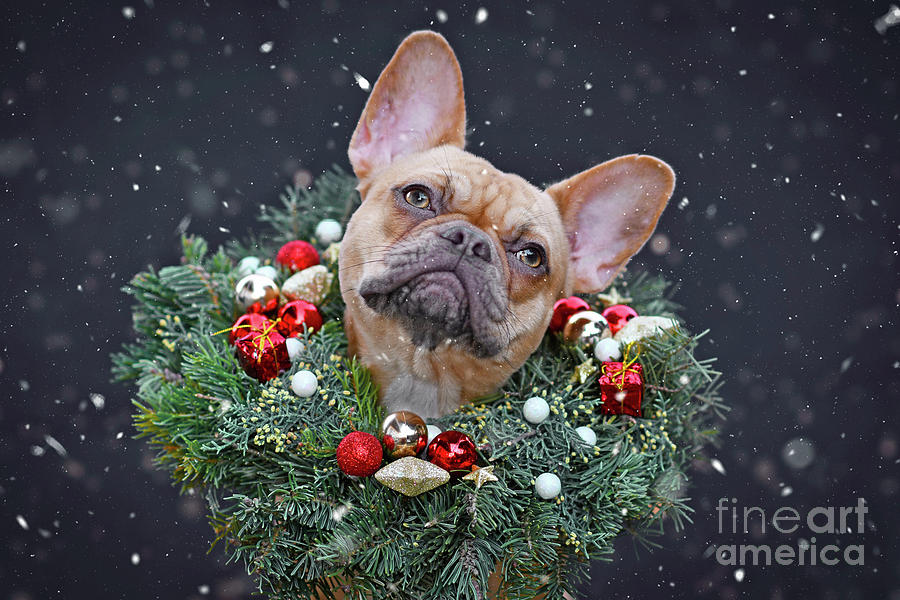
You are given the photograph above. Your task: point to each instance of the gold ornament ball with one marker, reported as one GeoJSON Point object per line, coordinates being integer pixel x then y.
{"type": "Point", "coordinates": [254, 288]}
{"type": "Point", "coordinates": [403, 433]}
{"type": "Point", "coordinates": [584, 326]}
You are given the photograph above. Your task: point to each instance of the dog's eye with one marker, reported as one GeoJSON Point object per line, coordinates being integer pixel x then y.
{"type": "Point", "coordinates": [417, 197]}
{"type": "Point", "coordinates": [530, 256]}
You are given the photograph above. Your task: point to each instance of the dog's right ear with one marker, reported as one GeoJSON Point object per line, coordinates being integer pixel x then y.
{"type": "Point", "coordinates": [416, 104]}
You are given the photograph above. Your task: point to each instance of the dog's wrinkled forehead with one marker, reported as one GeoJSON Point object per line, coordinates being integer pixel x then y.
{"type": "Point", "coordinates": [473, 188]}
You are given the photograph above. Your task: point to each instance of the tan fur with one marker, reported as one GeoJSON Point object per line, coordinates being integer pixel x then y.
{"type": "Point", "coordinates": [411, 131]}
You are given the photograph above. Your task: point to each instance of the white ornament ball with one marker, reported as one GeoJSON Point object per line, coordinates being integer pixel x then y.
{"type": "Point", "coordinates": [587, 434]}
{"type": "Point", "coordinates": [248, 265]}
{"type": "Point", "coordinates": [328, 231]}
{"type": "Point", "coordinates": [304, 383]}
{"type": "Point", "coordinates": [268, 271]}
{"type": "Point", "coordinates": [607, 349]}
{"type": "Point", "coordinates": [536, 410]}
{"type": "Point", "coordinates": [548, 486]}
{"type": "Point", "coordinates": [433, 431]}
{"type": "Point", "coordinates": [294, 347]}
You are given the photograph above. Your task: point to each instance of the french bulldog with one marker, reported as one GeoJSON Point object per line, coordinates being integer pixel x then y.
{"type": "Point", "coordinates": [450, 267]}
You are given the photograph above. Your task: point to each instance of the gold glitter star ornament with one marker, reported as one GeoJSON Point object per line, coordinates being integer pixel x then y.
{"type": "Point", "coordinates": [481, 476]}
{"type": "Point", "coordinates": [412, 476]}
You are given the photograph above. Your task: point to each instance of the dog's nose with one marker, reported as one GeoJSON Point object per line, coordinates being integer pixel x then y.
{"type": "Point", "coordinates": [469, 240]}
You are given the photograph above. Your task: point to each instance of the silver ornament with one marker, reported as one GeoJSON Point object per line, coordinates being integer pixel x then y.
{"type": "Point", "coordinates": [254, 288]}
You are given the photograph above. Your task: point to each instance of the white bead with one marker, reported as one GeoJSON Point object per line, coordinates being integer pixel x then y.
{"type": "Point", "coordinates": [248, 265]}
{"type": "Point", "coordinates": [547, 486]}
{"type": "Point", "coordinates": [294, 348]}
{"type": "Point", "coordinates": [328, 231]}
{"type": "Point", "coordinates": [607, 349]}
{"type": "Point", "coordinates": [433, 430]}
{"type": "Point", "coordinates": [535, 410]}
{"type": "Point", "coordinates": [268, 271]}
{"type": "Point", "coordinates": [587, 434]}
{"type": "Point", "coordinates": [304, 383]}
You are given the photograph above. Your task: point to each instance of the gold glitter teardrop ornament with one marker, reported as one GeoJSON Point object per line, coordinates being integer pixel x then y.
{"type": "Point", "coordinates": [412, 476]}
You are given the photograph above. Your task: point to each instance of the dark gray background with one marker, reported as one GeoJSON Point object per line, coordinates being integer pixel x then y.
{"type": "Point", "coordinates": [780, 119]}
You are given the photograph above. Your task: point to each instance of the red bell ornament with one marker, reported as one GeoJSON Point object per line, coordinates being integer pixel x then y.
{"type": "Point", "coordinates": [565, 308]}
{"type": "Point", "coordinates": [297, 255]}
{"type": "Point", "coordinates": [617, 315]}
{"type": "Point", "coordinates": [453, 451]}
{"type": "Point", "coordinates": [295, 314]}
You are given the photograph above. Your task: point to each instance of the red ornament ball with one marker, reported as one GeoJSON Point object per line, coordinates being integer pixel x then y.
{"type": "Point", "coordinates": [295, 314]}
{"type": "Point", "coordinates": [359, 454]}
{"type": "Point", "coordinates": [453, 451]}
{"type": "Point", "coordinates": [247, 324]}
{"type": "Point", "coordinates": [297, 255]}
{"type": "Point", "coordinates": [617, 315]}
{"type": "Point", "coordinates": [565, 308]}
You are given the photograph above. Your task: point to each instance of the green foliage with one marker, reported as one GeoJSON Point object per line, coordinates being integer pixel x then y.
{"type": "Point", "coordinates": [265, 457]}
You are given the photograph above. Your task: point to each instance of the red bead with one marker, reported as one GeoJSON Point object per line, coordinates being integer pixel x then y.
{"type": "Point", "coordinates": [297, 255]}
{"type": "Point", "coordinates": [453, 451]}
{"type": "Point", "coordinates": [617, 315]}
{"type": "Point", "coordinates": [297, 313]}
{"type": "Point", "coordinates": [247, 324]}
{"type": "Point", "coordinates": [565, 308]}
{"type": "Point", "coordinates": [621, 390]}
{"type": "Point", "coordinates": [263, 354]}
{"type": "Point", "coordinates": [359, 454]}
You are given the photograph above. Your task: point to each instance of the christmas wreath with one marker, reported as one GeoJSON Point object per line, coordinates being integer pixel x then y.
{"type": "Point", "coordinates": [246, 390]}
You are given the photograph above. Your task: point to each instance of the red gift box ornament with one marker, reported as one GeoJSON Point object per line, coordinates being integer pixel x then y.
{"type": "Point", "coordinates": [295, 314]}
{"type": "Point", "coordinates": [263, 353]}
{"type": "Point", "coordinates": [246, 324]}
{"type": "Point", "coordinates": [621, 387]}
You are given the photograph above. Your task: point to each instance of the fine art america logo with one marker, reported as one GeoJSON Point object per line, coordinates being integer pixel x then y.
{"type": "Point", "coordinates": [802, 548]}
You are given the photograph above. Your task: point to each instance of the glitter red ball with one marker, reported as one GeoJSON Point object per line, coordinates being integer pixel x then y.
{"type": "Point", "coordinates": [359, 454]}
{"type": "Point", "coordinates": [297, 255]}
{"type": "Point", "coordinates": [565, 308]}
{"type": "Point", "coordinates": [295, 314]}
{"type": "Point", "coordinates": [453, 451]}
{"type": "Point", "coordinates": [617, 315]}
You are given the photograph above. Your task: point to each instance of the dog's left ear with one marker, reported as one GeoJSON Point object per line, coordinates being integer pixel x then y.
{"type": "Point", "coordinates": [416, 104]}
{"type": "Point", "coordinates": [609, 212]}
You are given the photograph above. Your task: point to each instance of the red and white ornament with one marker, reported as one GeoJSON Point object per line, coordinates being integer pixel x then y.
{"type": "Point", "coordinates": [565, 308]}
{"type": "Point", "coordinates": [617, 316]}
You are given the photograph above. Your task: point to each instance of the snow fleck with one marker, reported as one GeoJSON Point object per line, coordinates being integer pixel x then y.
{"type": "Point", "coordinates": [135, 187]}
{"type": "Point", "coordinates": [739, 575]}
{"type": "Point", "coordinates": [771, 16]}
{"type": "Point", "coordinates": [683, 203]}
{"type": "Point", "coordinates": [816, 234]}
{"type": "Point", "coordinates": [889, 19]}
{"type": "Point", "coordinates": [203, 590]}
{"type": "Point", "coordinates": [117, 119]}
{"type": "Point", "coordinates": [54, 443]}
{"type": "Point", "coordinates": [37, 451]}
{"type": "Point", "coordinates": [588, 111]}
{"type": "Point", "coordinates": [441, 15]}
{"type": "Point", "coordinates": [338, 513]}
{"type": "Point", "coordinates": [119, 435]}
{"type": "Point", "coordinates": [717, 465]}
{"type": "Point", "coordinates": [742, 72]}
{"type": "Point", "coordinates": [588, 85]}
{"type": "Point", "coordinates": [20, 46]}
{"type": "Point", "coordinates": [98, 400]}
{"type": "Point", "coordinates": [135, 558]}
{"type": "Point", "coordinates": [157, 168]}
{"type": "Point", "coordinates": [22, 522]}
{"type": "Point", "coordinates": [481, 15]}
{"type": "Point", "coordinates": [798, 453]}
{"type": "Point", "coordinates": [786, 491]}
{"type": "Point", "coordinates": [362, 82]}
{"type": "Point", "coordinates": [266, 47]}
{"type": "Point", "coordinates": [24, 385]}
{"type": "Point", "coordinates": [845, 364]}
{"type": "Point", "coordinates": [128, 12]}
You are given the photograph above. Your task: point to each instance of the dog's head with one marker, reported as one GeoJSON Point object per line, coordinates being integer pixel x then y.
{"type": "Point", "coordinates": [450, 267]}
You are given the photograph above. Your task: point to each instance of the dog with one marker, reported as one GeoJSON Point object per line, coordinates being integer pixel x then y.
{"type": "Point", "coordinates": [450, 267]}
